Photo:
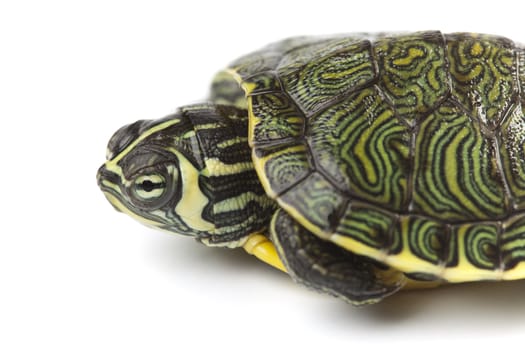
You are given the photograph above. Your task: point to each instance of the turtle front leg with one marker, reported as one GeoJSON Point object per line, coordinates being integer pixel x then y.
{"type": "Point", "coordinates": [328, 268]}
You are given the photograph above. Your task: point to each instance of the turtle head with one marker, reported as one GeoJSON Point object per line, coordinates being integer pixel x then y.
{"type": "Point", "coordinates": [189, 173]}
{"type": "Point", "coordinates": [152, 173]}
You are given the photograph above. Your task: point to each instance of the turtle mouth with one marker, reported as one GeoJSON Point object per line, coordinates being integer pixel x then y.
{"type": "Point", "coordinates": [109, 183]}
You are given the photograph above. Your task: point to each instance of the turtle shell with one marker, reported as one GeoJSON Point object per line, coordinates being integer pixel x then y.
{"type": "Point", "coordinates": [409, 149]}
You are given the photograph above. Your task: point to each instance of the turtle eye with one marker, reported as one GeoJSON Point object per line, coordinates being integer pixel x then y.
{"type": "Point", "coordinates": [149, 187]}
{"type": "Point", "coordinates": [153, 187]}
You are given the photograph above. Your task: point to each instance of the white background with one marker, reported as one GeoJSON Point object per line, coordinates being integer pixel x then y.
{"type": "Point", "coordinates": [74, 274]}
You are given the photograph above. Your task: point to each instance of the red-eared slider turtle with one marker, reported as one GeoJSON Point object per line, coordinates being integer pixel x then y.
{"type": "Point", "coordinates": [358, 164]}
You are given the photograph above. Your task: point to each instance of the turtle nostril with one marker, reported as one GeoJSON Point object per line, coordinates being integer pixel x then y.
{"type": "Point", "coordinates": [100, 176]}
{"type": "Point", "coordinates": [109, 182]}
{"type": "Point", "coordinates": [105, 175]}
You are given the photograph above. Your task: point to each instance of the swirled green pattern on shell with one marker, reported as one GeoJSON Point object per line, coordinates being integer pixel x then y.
{"type": "Point", "coordinates": [408, 148]}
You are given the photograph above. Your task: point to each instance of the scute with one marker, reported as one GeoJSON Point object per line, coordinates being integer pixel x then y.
{"type": "Point", "coordinates": [452, 181]}
{"type": "Point", "coordinates": [360, 145]}
{"type": "Point", "coordinates": [480, 241]}
{"type": "Point", "coordinates": [366, 224]}
{"type": "Point", "coordinates": [413, 72]}
{"type": "Point", "coordinates": [482, 68]}
{"type": "Point", "coordinates": [316, 201]}
{"type": "Point", "coordinates": [288, 162]}
{"type": "Point", "coordinates": [408, 149]}
{"type": "Point", "coordinates": [432, 244]}
{"type": "Point", "coordinates": [275, 118]}
{"type": "Point", "coordinates": [317, 77]}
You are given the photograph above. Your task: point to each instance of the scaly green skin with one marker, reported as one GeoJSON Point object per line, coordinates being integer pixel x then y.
{"type": "Point", "coordinates": [408, 149]}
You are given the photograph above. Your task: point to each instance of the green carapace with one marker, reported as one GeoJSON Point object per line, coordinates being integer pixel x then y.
{"type": "Point", "coordinates": [358, 164]}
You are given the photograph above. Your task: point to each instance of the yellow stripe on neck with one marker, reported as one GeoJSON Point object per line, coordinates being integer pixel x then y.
{"type": "Point", "coordinates": [193, 201]}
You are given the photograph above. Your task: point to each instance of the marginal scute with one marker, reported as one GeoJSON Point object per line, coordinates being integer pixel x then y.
{"type": "Point", "coordinates": [482, 68]}
{"type": "Point", "coordinates": [315, 202]}
{"type": "Point", "coordinates": [328, 74]}
{"type": "Point", "coordinates": [432, 245]}
{"type": "Point", "coordinates": [456, 175]}
{"type": "Point", "coordinates": [512, 151]}
{"type": "Point", "coordinates": [513, 241]}
{"type": "Point", "coordinates": [479, 243]}
{"type": "Point", "coordinates": [431, 242]}
{"type": "Point", "coordinates": [363, 148]}
{"type": "Point", "coordinates": [366, 224]}
{"type": "Point", "coordinates": [413, 72]}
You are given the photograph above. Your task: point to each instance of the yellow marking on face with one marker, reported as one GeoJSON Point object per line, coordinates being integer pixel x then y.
{"type": "Point", "coordinates": [142, 136]}
{"type": "Point", "coordinates": [114, 168]}
{"type": "Point", "coordinates": [112, 165]}
{"type": "Point", "coordinates": [120, 206]}
{"type": "Point", "coordinates": [193, 201]}
{"type": "Point", "coordinates": [111, 185]}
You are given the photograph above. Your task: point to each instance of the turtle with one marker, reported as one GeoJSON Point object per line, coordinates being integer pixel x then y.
{"type": "Point", "coordinates": [359, 164]}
